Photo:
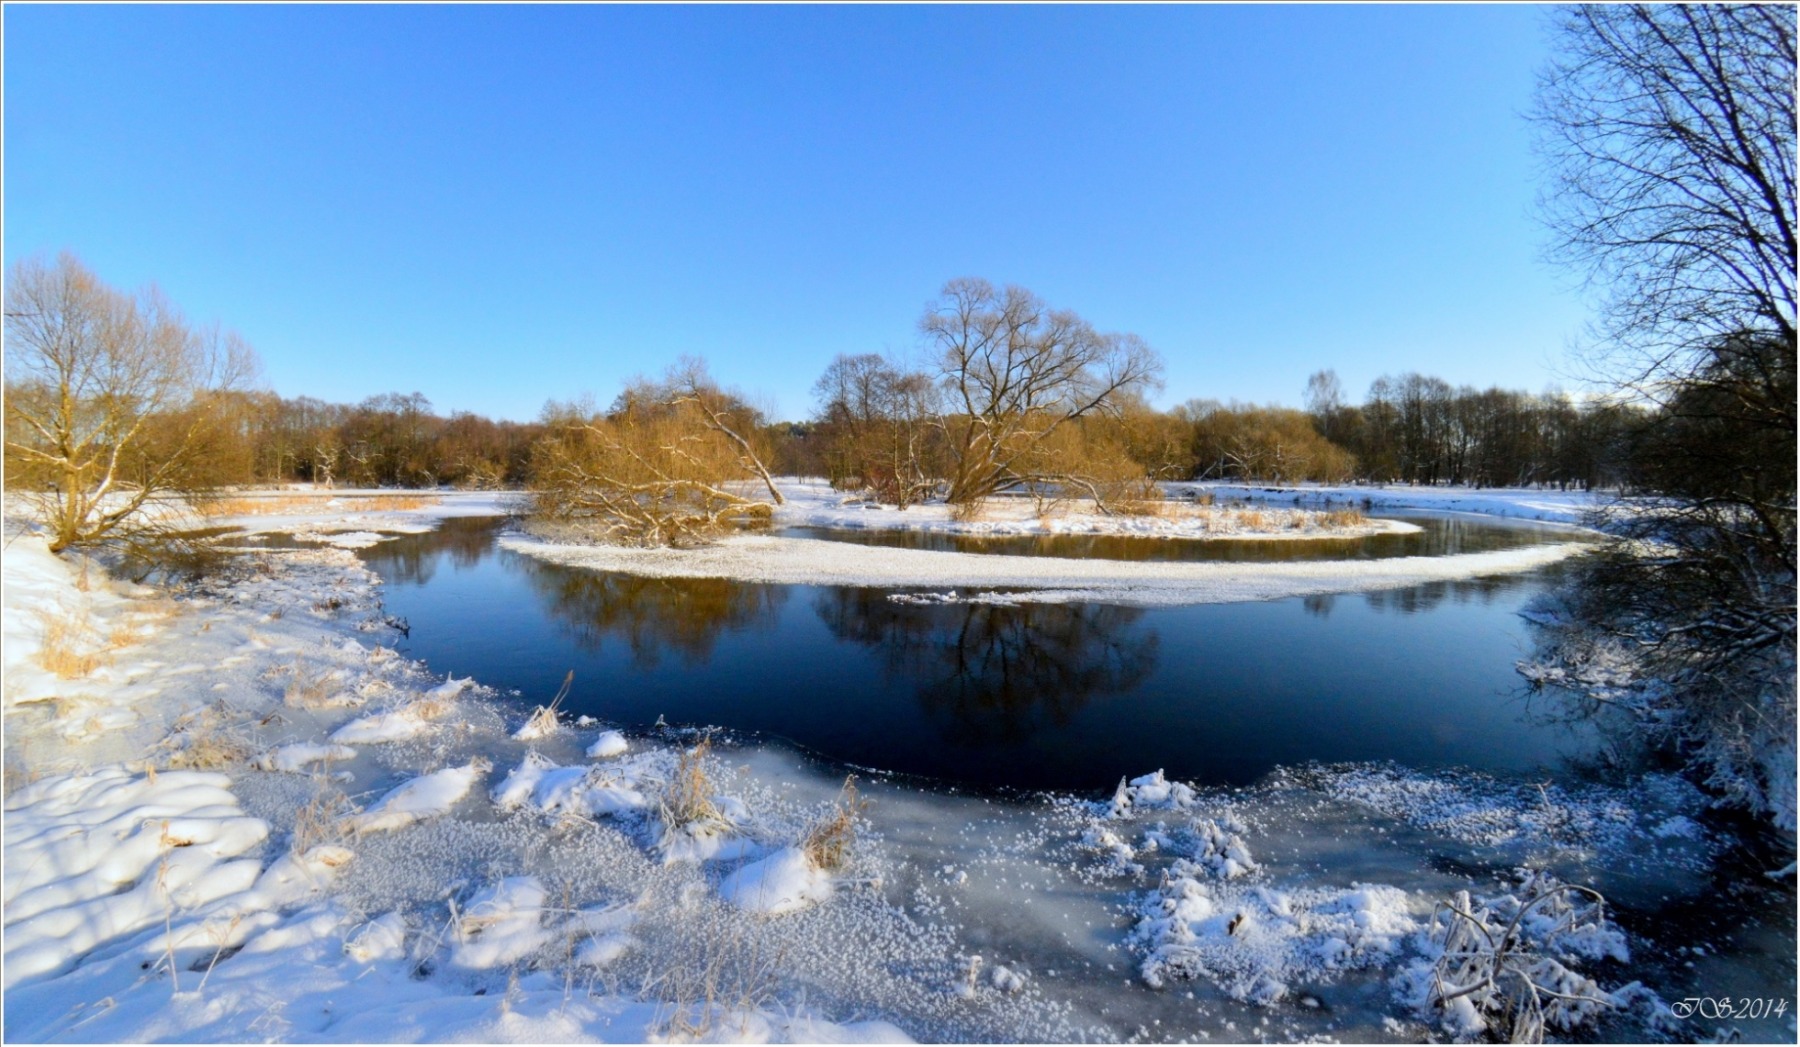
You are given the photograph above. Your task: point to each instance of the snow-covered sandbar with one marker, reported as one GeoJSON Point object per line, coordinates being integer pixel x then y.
{"type": "Point", "coordinates": [800, 561]}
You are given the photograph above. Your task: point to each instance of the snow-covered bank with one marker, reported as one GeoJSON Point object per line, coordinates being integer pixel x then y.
{"type": "Point", "coordinates": [799, 561]}
{"type": "Point", "coordinates": [210, 865]}
{"type": "Point", "coordinates": [813, 503]}
{"type": "Point", "coordinates": [1520, 503]}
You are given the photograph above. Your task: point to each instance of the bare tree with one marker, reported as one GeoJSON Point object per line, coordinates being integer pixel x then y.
{"type": "Point", "coordinates": [877, 421]}
{"type": "Point", "coordinates": [1670, 130]}
{"type": "Point", "coordinates": [1016, 371]}
{"type": "Point", "coordinates": [1669, 134]}
{"type": "Point", "coordinates": [112, 400]}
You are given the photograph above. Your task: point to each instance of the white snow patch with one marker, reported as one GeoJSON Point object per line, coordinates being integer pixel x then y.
{"type": "Point", "coordinates": [785, 881]}
{"type": "Point", "coordinates": [427, 796]}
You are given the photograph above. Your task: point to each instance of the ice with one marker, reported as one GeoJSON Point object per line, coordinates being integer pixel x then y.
{"type": "Point", "coordinates": [146, 904]}
{"type": "Point", "coordinates": [1042, 579]}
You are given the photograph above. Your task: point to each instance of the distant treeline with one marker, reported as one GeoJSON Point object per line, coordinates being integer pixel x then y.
{"type": "Point", "coordinates": [1408, 429]}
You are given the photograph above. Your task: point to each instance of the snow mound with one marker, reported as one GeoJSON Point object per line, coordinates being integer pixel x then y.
{"type": "Point", "coordinates": [1254, 942]}
{"type": "Point", "coordinates": [501, 925]}
{"type": "Point", "coordinates": [297, 756]}
{"type": "Point", "coordinates": [785, 881]}
{"type": "Point", "coordinates": [397, 725]}
{"type": "Point", "coordinates": [427, 796]}
{"type": "Point", "coordinates": [615, 790]}
{"type": "Point", "coordinates": [610, 743]}
{"type": "Point", "coordinates": [93, 858]}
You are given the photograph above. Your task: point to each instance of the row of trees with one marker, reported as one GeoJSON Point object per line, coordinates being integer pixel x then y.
{"type": "Point", "coordinates": [391, 440]}
{"type": "Point", "coordinates": [111, 393]}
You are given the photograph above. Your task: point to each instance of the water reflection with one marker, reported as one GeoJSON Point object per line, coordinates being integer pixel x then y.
{"type": "Point", "coordinates": [1427, 596]}
{"type": "Point", "coordinates": [997, 673]}
{"type": "Point", "coordinates": [653, 616]}
{"type": "Point", "coordinates": [413, 561]}
{"type": "Point", "coordinates": [991, 695]}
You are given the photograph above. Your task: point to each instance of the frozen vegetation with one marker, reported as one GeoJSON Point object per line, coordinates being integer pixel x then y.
{"type": "Point", "coordinates": [240, 813]}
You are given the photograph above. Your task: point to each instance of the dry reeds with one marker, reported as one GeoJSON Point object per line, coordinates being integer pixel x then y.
{"type": "Point", "coordinates": [308, 686]}
{"type": "Point", "coordinates": [297, 504]}
{"type": "Point", "coordinates": [546, 719]}
{"type": "Point", "coordinates": [322, 820]}
{"type": "Point", "coordinates": [689, 798]}
{"type": "Point", "coordinates": [827, 843]}
{"type": "Point", "coordinates": [1339, 518]}
{"type": "Point", "coordinates": [66, 635]}
{"type": "Point", "coordinates": [207, 740]}
{"type": "Point", "coordinates": [969, 511]}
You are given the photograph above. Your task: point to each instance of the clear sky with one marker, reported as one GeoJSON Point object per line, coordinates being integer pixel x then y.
{"type": "Point", "coordinates": [499, 205]}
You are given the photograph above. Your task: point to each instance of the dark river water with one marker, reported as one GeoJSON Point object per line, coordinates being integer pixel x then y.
{"type": "Point", "coordinates": [1057, 696]}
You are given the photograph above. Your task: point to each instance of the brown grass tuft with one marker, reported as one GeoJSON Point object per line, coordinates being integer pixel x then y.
{"type": "Point", "coordinates": [207, 740]}
{"type": "Point", "coordinates": [67, 634]}
{"type": "Point", "coordinates": [827, 843]}
{"type": "Point", "coordinates": [308, 685]}
{"type": "Point", "coordinates": [321, 821]}
{"type": "Point", "coordinates": [688, 800]}
{"type": "Point", "coordinates": [1343, 518]}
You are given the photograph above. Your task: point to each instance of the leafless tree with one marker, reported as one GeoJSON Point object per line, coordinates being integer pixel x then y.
{"type": "Point", "coordinates": [1015, 372]}
{"type": "Point", "coordinates": [878, 422]}
{"type": "Point", "coordinates": [1670, 132]}
{"type": "Point", "coordinates": [113, 401]}
{"type": "Point", "coordinates": [1669, 135]}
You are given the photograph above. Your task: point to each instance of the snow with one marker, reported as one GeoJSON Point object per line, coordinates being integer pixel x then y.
{"type": "Point", "coordinates": [251, 899]}
{"type": "Point", "coordinates": [427, 796]}
{"type": "Point", "coordinates": [784, 882]}
{"type": "Point", "coordinates": [1546, 505]}
{"type": "Point", "coordinates": [298, 756]}
{"type": "Point", "coordinates": [610, 743]}
{"type": "Point", "coordinates": [799, 561]}
{"type": "Point", "coordinates": [816, 504]}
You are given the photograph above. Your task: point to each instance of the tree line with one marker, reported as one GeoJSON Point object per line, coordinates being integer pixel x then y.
{"type": "Point", "coordinates": [110, 392]}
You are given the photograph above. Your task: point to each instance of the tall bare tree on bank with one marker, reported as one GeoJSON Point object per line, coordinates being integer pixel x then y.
{"type": "Point", "coordinates": [1669, 131]}
{"type": "Point", "coordinates": [114, 402]}
{"type": "Point", "coordinates": [1015, 373]}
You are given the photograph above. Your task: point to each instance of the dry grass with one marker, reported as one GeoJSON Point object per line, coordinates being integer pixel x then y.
{"type": "Point", "coordinates": [688, 800]}
{"type": "Point", "coordinates": [309, 686]}
{"type": "Point", "coordinates": [968, 512]}
{"type": "Point", "coordinates": [321, 821]}
{"type": "Point", "coordinates": [69, 637]}
{"type": "Point", "coordinates": [207, 740]}
{"type": "Point", "coordinates": [546, 719]}
{"type": "Point", "coordinates": [722, 976]}
{"type": "Point", "coordinates": [1342, 518]}
{"type": "Point", "coordinates": [827, 843]}
{"type": "Point", "coordinates": [1252, 519]}
{"type": "Point", "coordinates": [1142, 507]}
{"type": "Point", "coordinates": [299, 504]}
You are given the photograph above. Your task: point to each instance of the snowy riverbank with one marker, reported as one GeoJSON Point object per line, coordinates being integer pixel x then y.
{"type": "Point", "coordinates": [242, 813]}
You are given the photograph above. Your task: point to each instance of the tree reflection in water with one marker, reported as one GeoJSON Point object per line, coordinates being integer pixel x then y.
{"type": "Point", "coordinates": [653, 616]}
{"type": "Point", "coordinates": [414, 560]}
{"type": "Point", "coordinates": [1416, 598]}
{"type": "Point", "coordinates": [997, 673]}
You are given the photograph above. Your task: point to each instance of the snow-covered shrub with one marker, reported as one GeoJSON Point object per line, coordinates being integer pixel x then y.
{"type": "Point", "coordinates": [1505, 965]}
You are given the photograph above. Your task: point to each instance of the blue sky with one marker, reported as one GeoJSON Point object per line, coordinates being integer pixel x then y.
{"type": "Point", "coordinates": [495, 206]}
